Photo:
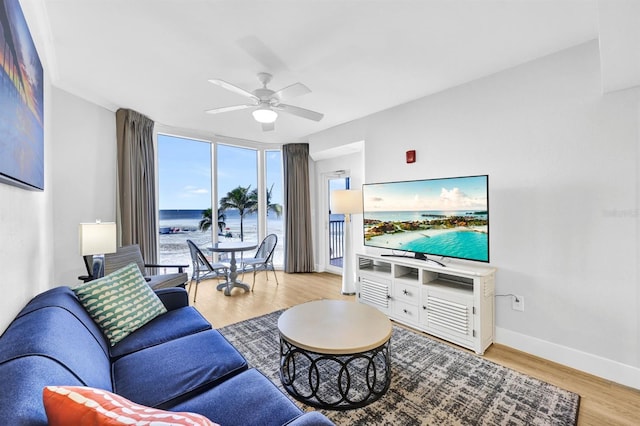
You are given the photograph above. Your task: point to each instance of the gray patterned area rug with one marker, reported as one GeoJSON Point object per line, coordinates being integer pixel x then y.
{"type": "Point", "coordinates": [432, 383]}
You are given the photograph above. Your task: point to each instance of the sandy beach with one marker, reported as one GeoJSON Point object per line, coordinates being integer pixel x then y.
{"type": "Point", "coordinates": [174, 249]}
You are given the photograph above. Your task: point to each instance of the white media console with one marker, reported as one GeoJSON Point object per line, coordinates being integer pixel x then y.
{"type": "Point", "coordinates": [455, 303]}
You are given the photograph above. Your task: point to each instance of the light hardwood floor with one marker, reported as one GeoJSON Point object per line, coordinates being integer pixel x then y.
{"type": "Point", "coordinates": [602, 402]}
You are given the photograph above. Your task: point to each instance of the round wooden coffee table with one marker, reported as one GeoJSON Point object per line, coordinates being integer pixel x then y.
{"type": "Point", "coordinates": [335, 354]}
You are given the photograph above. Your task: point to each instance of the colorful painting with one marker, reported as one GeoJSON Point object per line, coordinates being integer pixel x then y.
{"type": "Point", "coordinates": [21, 102]}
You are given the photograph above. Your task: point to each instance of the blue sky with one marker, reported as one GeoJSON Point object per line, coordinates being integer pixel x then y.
{"type": "Point", "coordinates": [184, 170]}
{"type": "Point", "coordinates": [436, 194]}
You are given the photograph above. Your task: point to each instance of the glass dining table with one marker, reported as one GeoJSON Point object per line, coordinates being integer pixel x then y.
{"type": "Point", "coordinates": [232, 248]}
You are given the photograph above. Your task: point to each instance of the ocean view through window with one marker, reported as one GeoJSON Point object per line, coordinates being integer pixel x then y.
{"type": "Point", "coordinates": [237, 192]}
{"type": "Point", "coordinates": [189, 186]}
{"type": "Point", "coordinates": [184, 183]}
{"type": "Point", "coordinates": [275, 218]}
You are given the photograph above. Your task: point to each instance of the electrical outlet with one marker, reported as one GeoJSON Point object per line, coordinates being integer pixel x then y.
{"type": "Point", "coordinates": [517, 303]}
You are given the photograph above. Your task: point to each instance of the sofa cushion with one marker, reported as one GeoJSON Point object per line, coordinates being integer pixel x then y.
{"type": "Point", "coordinates": [120, 302]}
{"type": "Point", "coordinates": [159, 375]}
{"type": "Point", "coordinates": [175, 323]}
{"type": "Point", "coordinates": [310, 418]}
{"type": "Point", "coordinates": [75, 405]}
{"type": "Point", "coordinates": [64, 298]}
{"type": "Point", "coordinates": [22, 381]}
{"type": "Point", "coordinates": [157, 282]}
{"type": "Point", "coordinates": [57, 334]}
{"type": "Point", "coordinates": [241, 400]}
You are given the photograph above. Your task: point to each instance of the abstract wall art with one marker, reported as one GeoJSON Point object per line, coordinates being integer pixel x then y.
{"type": "Point", "coordinates": [21, 102]}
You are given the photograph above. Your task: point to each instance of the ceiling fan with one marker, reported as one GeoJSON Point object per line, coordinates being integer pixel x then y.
{"type": "Point", "coordinates": [266, 103]}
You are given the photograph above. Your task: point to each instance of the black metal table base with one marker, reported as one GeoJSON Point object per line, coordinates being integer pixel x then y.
{"type": "Point", "coordinates": [335, 382]}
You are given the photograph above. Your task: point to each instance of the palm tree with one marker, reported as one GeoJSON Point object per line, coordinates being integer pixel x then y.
{"type": "Point", "coordinates": [205, 223]}
{"type": "Point", "coordinates": [241, 199]}
{"type": "Point", "coordinates": [273, 207]}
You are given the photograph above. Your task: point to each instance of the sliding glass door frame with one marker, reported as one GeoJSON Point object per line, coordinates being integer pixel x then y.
{"type": "Point", "coordinates": [327, 178]}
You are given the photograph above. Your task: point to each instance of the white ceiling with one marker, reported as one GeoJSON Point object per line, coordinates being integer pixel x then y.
{"type": "Point", "coordinates": [357, 56]}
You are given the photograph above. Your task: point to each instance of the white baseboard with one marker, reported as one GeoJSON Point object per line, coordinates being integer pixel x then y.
{"type": "Point", "coordinates": [593, 364]}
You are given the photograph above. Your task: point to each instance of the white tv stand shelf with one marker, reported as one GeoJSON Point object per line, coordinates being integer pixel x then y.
{"type": "Point", "coordinates": [455, 303]}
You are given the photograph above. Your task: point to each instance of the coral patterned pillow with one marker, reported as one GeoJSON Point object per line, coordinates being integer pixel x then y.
{"type": "Point", "coordinates": [77, 405]}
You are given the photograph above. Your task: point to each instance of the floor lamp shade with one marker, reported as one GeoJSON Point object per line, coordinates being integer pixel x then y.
{"type": "Point", "coordinates": [97, 238]}
{"type": "Point", "coordinates": [347, 202]}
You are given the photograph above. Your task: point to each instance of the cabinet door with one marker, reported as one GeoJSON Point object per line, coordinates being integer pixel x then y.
{"type": "Point", "coordinates": [374, 291]}
{"type": "Point", "coordinates": [448, 315]}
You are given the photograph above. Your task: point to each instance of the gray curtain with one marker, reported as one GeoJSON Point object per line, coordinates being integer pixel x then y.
{"type": "Point", "coordinates": [136, 198]}
{"type": "Point", "coordinates": [298, 247]}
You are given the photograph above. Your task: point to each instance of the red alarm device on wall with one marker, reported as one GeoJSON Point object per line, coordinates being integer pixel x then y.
{"type": "Point", "coordinates": [411, 156]}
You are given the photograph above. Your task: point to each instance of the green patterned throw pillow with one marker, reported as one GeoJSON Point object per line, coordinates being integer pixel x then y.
{"type": "Point", "coordinates": [120, 303]}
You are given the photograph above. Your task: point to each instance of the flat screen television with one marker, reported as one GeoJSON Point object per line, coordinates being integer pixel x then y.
{"type": "Point", "coordinates": [446, 217]}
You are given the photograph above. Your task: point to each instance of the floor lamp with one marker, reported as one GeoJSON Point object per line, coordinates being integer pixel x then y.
{"type": "Point", "coordinates": [96, 239]}
{"type": "Point", "coordinates": [347, 202]}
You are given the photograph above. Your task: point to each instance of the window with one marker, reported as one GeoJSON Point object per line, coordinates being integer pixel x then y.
{"type": "Point", "coordinates": [275, 202]}
{"type": "Point", "coordinates": [336, 223]}
{"type": "Point", "coordinates": [237, 192]}
{"type": "Point", "coordinates": [184, 197]}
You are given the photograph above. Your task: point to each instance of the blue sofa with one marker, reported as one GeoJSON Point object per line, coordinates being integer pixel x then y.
{"type": "Point", "coordinates": [175, 362]}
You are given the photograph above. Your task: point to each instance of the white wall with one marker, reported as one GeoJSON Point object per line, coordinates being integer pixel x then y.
{"type": "Point", "coordinates": [563, 161]}
{"type": "Point", "coordinates": [26, 234]}
{"type": "Point", "coordinates": [84, 175]}
{"type": "Point", "coordinates": [39, 229]}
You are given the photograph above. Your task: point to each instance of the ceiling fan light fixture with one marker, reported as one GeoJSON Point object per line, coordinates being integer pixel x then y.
{"type": "Point", "coordinates": [264, 114]}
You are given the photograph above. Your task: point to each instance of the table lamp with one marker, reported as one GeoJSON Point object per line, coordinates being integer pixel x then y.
{"type": "Point", "coordinates": [347, 202]}
{"type": "Point", "coordinates": [96, 239]}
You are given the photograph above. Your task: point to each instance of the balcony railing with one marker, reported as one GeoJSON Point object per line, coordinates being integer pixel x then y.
{"type": "Point", "coordinates": [336, 242]}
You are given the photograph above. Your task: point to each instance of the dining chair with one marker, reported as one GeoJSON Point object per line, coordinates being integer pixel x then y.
{"type": "Point", "coordinates": [203, 269]}
{"type": "Point", "coordinates": [263, 259]}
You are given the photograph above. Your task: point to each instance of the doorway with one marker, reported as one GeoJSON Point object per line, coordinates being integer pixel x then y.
{"type": "Point", "coordinates": [334, 237]}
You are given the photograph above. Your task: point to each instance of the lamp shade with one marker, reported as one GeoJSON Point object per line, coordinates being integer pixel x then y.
{"type": "Point", "coordinates": [97, 238]}
{"type": "Point", "coordinates": [346, 201]}
{"type": "Point", "coordinates": [265, 115]}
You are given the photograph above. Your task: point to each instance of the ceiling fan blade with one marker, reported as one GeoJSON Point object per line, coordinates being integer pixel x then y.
{"type": "Point", "coordinates": [296, 89]}
{"type": "Point", "coordinates": [234, 89]}
{"type": "Point", "coordinates": [300, 112]}
{"type": "Point", "coordinates": [228, 108]}
{"type": "Point", "coordinates": [268, 127]}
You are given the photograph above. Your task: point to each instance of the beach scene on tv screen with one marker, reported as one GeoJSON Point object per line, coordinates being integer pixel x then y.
{"type": "Point", "coordinates": [444, 217]}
